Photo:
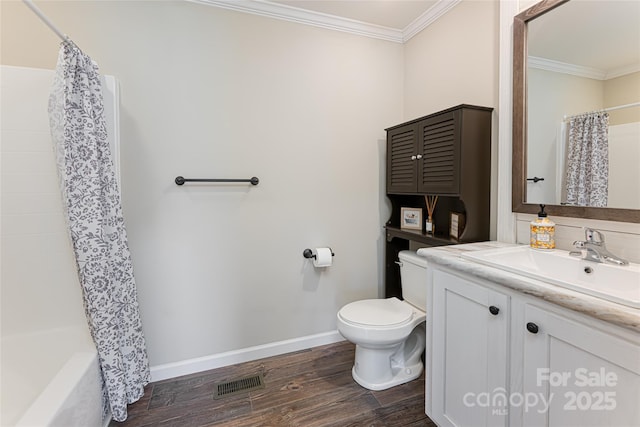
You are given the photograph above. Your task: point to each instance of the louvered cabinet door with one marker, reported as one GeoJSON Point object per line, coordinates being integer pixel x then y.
{"type": "Point", "coordinates": [439, 144]}
{"type": "Point", "coordinates": [402, 163]}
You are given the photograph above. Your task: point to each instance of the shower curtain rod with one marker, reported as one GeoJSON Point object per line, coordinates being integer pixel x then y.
{"type": "Point", "coordinates": [618, 107]}
{"type": "Point", "coordinates": [47, 21]}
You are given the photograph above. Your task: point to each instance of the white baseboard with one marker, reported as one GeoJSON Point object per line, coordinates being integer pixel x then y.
{"type": "Point", "coordinates": [199, 364]}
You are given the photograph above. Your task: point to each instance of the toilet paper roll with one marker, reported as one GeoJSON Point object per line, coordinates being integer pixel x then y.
{"type": "Point", "coordinates": [323, 258]}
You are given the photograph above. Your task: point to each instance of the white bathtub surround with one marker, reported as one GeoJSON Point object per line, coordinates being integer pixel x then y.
{"type": "Point", "coordinates": [63, 389]}
{"type": "Point", "coordinates": [41, 297]}
{"type": "Point", "coordinates": [91, 198]}
{"type": "Point", "coordinates": [449, 256]}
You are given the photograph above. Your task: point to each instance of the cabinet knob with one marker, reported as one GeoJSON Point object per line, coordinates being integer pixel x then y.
{"type": "Point", "coordinates": [532, 327]}
{"type": "Point", "coordinates": [494, 310]}
{"type": "Point", "coordinates": [413, 157]}
{"type": "Point", "coordinates": [419, 156]}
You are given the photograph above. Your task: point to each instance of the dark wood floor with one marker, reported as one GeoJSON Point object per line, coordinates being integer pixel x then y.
{"type": "Point", "coordinates": [307, 388]}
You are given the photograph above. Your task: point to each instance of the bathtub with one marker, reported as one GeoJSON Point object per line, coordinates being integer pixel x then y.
{"type": "Point", "coordinates": [51, 378]}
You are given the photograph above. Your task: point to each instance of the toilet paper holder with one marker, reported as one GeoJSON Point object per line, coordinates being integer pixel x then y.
{"type": "Point", "coordinates": [308, 253]}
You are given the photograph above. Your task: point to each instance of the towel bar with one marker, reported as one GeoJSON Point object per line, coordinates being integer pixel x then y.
{"type": "Point", "coordinates": [181, 180]}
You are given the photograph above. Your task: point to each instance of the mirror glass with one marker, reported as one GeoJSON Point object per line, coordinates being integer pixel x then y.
{"type": "Point", "coordinates": [584, 56]}
{"type": "Point", "coordinates": [578, 57]}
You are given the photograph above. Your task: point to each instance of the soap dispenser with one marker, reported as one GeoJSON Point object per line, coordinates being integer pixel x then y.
{"type": "Point", "coordinates": [543, 231]}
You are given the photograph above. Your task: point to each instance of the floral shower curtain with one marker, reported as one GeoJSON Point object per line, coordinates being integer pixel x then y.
{"type": "Point", "coordinates": [94, 215]}
{"type": "Point", "coordinates": [587, 174]}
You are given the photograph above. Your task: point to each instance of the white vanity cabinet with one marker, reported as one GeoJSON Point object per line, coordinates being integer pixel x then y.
{"type": "Point", "coordinates": [579, 374]}
{"type": "Point", "coordinates": [532, 363]}
{"type": "Point", "coordinates": [469, 351]}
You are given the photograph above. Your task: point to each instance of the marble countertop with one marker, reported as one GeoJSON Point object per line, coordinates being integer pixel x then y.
{"type": "Point", "coordinates": [449, 256]}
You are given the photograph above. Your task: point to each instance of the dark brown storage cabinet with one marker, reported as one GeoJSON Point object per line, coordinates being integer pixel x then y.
{"type": "Point", "coordinates": [424, 155]}
{"type": "Point", "coordinates": [447, 154]}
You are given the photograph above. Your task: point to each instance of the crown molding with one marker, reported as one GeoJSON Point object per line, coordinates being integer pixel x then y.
{"type": "Point", "coordinates": [302, 16]}
{"type": "Point", "coordinates": [563, 67]}
{"type": "Point", "coordinates": [578, 70]}
{"type": "Point", "coordinates": [323, 20]}
{"type": "Point", "coordinates": [428, 18]}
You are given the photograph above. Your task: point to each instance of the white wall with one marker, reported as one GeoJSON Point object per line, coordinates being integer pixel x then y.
{"type": "Point", "coordinates": [623, 90]}
{"type": "Point", "coordinates": [455, 61]}
{"type": "Point", "coordinates": [624, 178]}
{"type": "Point", "coordinates": [211, 93]}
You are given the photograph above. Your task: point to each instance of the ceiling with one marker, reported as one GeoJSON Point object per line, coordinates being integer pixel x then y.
{"type": "Point", "coordinates": [599, 36]}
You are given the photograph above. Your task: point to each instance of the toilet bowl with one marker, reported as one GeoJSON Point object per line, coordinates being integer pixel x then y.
{"type": "Point", "coordinates": [389, 334]}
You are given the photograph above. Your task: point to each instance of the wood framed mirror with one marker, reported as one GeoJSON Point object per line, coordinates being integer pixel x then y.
{"type": "Point", "coordinates": [521, 124]}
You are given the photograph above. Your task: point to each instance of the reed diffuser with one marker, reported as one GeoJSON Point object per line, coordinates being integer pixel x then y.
{"type": "Point", "coordinates": [431, 206]}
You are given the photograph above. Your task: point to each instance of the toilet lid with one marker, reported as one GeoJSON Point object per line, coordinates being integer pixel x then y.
{"type": "Point", "coordinates": [377, 312]}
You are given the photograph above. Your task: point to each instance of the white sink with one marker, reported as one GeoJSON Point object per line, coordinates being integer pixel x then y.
{"type": "Point", "coordinates": [620, 284]}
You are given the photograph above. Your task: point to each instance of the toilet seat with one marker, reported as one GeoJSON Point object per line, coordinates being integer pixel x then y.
{"type": "Point", "coordinates": [390, 312]}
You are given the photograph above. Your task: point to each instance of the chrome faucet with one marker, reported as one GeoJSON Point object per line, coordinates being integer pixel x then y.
{"type": "Point", "coordinates": [594, 249]}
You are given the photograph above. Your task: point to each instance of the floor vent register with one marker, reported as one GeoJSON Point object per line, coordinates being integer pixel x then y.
{"type": "Point", "coordinates": [240, 385]}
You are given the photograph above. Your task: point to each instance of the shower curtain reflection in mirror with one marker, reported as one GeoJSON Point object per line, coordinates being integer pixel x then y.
{"type": "Point", "coordinates": [587, 164]}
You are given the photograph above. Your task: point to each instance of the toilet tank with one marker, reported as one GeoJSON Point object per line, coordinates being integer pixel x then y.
{"type": "Point", "coordinates": [413, 279]}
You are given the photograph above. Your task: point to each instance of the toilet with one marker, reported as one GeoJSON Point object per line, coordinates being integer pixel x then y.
{"type": "Point", "coordinates": [389, 334]}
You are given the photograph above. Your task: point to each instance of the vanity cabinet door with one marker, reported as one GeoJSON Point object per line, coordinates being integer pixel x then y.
{"type": "Point", "coordinates": [469, 353]}
{"type": "Point", "coordinates": [590, 378]}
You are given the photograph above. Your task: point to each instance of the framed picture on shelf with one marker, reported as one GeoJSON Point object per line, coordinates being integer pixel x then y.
{"type": "Point", "coordinates": [411, 218]}
{"type": "Point", "coordinates": [456, 224]}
